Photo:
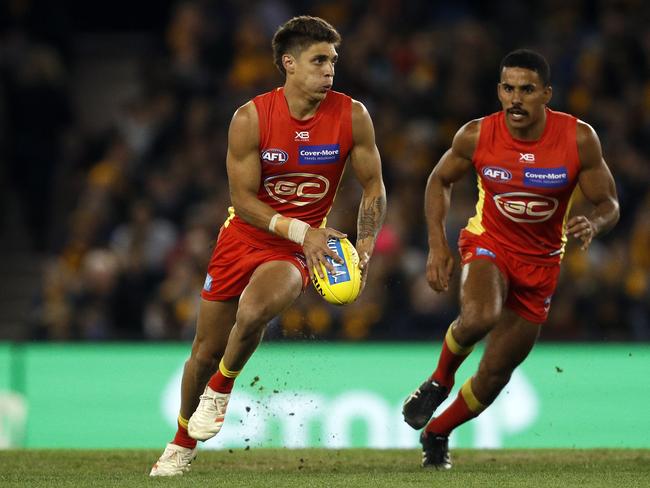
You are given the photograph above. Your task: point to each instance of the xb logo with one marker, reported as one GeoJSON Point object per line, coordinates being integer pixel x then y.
{"type": "Point", "coordinates": [526, 158]}
{"type": "Point", "coordinates": [302, 135]}
{"type": "Point", "coordinates": [298, 189]}
{"type": "Point", "coordinates": [526, 207]}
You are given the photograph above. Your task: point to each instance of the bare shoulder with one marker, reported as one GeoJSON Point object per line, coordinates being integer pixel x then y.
{"type": "Point", "coordinates": [585, 134]}
{"type": "Point", "coordinates": [466, 139]}
{"type": "Point", "coordinates": [362, 128]}
{"type": "Point", "coordinates": [589, 149]}
{"type": "Point", "coordinates": [245, 116]}
{"type": "Point", "coordinates": [359, 112]}
{"type": "Point", "coordinates": [244, 126]}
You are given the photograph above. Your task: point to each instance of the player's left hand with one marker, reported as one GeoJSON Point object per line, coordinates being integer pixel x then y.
{"type": "Point", "coordinates": [580, 227]}
{"type": "Point", "coordinates": [364, 259]}
{"type": "Point", "coordinates": [364, 248]}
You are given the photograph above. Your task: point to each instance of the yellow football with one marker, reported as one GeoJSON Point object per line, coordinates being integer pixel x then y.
{"type": "Point", "coordinates": [343, 285]}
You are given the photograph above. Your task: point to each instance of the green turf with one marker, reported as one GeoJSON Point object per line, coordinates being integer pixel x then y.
{"type": "Point", "coordinates": [327, 468]}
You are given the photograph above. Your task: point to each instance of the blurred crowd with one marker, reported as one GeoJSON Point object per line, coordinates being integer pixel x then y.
{"type": "Point", "coordinates": [127, 215]}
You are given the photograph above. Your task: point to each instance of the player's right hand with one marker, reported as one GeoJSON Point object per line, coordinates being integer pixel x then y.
{"type": "Point", "coordinates": [440, 265]}
{"type": "Point", "coordinates": [315, 249]}
{"type": "Point", "coordinates": [581, 228]}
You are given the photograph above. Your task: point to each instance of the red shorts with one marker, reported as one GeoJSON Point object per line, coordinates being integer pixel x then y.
{"type": "Point", "coordinates": [530, 285]}
{"type": "Point", "coordinates": [236, 256]}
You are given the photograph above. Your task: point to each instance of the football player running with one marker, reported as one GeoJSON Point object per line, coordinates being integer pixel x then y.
{"type": "Point", "coordinates": [286, 153]}
{"type": "Point", "coordinates": [528, 159]}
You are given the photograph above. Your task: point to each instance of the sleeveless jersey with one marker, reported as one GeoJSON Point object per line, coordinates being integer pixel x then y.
{"type": "Point", "coordinates": [525, 187]}
{"type": "Point", "coordinates": [301, 160]}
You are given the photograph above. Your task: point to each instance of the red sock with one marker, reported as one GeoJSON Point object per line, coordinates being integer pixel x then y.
{"type": "Point", "coordinates": [451, 357]}
{"type": "Point", "coordinates": [223, 380]}
{"type": "Point", "coordinates": [182, 438]}
{"type": "Point", "coordinates": [221, 383]}
{"type": "Point", "coordinates": [465, 407]}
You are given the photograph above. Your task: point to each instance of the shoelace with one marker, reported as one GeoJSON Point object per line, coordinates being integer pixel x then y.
{"type": "Point", "coordinates": [219, 402]}
{"type": "Point", "coordinates": [175, 457]}
{"type": "Point", "coordinates": [205, 397]}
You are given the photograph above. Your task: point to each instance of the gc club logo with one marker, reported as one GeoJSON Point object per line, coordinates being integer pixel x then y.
{"type": "Point", "coordinates": [274, 156]}
{"type": "Point", "coordinates": [298, 189]}
{"type": "Point", "coordinates": [497, 174]}
{"type": "Point", "coordinates": [526, 207]}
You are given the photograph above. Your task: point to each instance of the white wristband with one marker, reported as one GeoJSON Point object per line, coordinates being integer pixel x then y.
{"type": "Point", "coordinates": [274, 220]}
{"type": "Point", "coordinates": [297, 231]}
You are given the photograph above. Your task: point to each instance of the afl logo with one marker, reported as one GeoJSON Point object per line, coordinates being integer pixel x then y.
{"type": "Point", "coordinates": [497, 174]}
{"type": "Point", "coordinates": [298, 189]}
{"type": "Point", "coordinates": [274, 156]}
{"type": "Point", "coordinates": [526, 207]}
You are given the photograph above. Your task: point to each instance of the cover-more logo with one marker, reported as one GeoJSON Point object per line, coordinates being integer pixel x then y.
{"type": "Point", "coordinates": [274, 156]}
{"type": "Point", "coordinates": [298, 189]}
{"type": "Point", "coordinates": [546, 177]}
{"type": "Point", "coordinates": [320, 154]}
{"type": "Point", "coordinates": [526, 207]}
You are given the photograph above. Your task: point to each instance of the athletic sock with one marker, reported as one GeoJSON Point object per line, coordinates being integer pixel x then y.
{"type": "Point", "coordinates": [223, 380]}
{"type": "Point", "coordinates": [451, 357]}
{"type": "Point", "coordinates": [465, 407]}
{"type": "Point", "coordinates": [182, 438]}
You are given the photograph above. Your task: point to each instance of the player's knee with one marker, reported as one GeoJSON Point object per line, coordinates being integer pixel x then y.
{"type": "Point", "coordinates": [481, 318]}
{"type": "Point", "coordinates": [256, 310]}
{"type": "Point", "coordinates": [493, 377]}
{"type": "Point", "coordinates": [252, 317]}
{"type": "Point", "coordinates": [488, 388]}
{"type": "Point", "coordinates": [204, 360]}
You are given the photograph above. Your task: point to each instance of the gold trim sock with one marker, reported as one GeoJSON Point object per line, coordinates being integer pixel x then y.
{"type": "Point", "coordinates": [465, 407]}
{"type": "Point", "coordinates": [452, 356]}
{"type": "Point", "coordinates": [224, 379]}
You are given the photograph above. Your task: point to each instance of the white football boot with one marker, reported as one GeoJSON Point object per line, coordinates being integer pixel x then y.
{"type": "Point", "coordinates": [207, 419]}
{"type": "Point", "coordinates": [175, 461]}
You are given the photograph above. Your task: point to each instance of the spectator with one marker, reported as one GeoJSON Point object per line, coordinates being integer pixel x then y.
{"type": "Point", "coordinates": [145, 213]}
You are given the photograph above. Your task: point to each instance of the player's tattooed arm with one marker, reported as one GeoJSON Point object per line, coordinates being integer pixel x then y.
{"type": "Point", "coordinates": [366, 164]}
{"type": "Point", "coordinates": [372, 212]}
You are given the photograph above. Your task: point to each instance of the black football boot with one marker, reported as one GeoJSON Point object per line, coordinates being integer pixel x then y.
{"type": "Point", "coordinates": [420, 405]}
{"type": "Point", "coordinates": [435, 451]}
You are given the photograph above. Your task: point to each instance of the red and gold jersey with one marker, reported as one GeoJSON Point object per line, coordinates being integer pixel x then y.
{"type": "Point", "coordinates": [525, 187]}
{"type": "Point", "coordinates": [301, 160]}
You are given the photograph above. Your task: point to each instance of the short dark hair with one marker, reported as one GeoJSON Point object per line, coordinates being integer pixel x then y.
{"type": "Point", "coordinates": [528, 59]}
{"type": "Point", "coordinates": [299, 33]}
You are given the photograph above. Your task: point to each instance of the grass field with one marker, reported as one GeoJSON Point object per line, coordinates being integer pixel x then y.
{"type": "Point", "coordinates": [285, 468]}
